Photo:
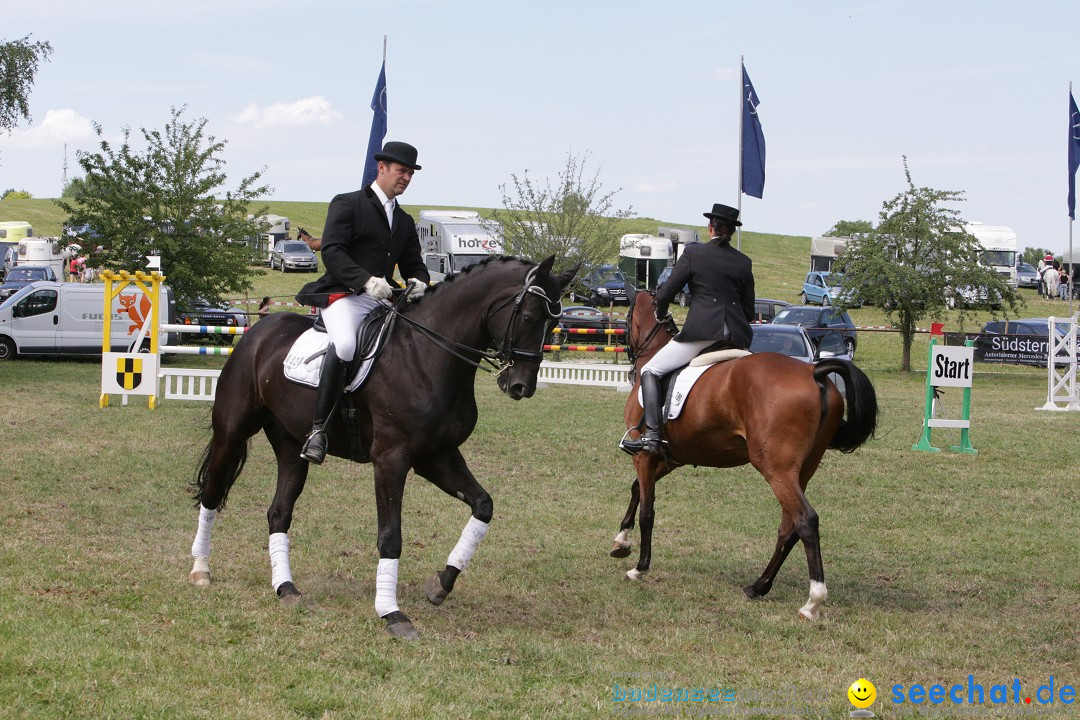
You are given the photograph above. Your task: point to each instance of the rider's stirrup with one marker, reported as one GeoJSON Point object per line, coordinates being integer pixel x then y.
{"type": "Point", "coordinates": [649, 441]}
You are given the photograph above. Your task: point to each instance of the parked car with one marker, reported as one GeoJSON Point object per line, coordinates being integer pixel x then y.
{"type": "Point", "coordinates": [201, 312]}
{"type": "Point", "coordinates": [793, 341]}
{"type": "Point", "coordinates": [604, 285]}
{"type": "Point", "coordinates": [293, 255]}
{"type": "Point", "coordinates": [765, 309]}
{"type": "Point", "coordinates": [821, 322]}
{"type": "Point", "coordinates": [1026, 276]}
{"type": "Point", "coordinates": [584, 317]}
{"type": "Point", "coordinates": [9, 255]}
{"type": "Point", "coordinates": [823, 288]}
{"type": "Point", "coordinates": [23, 275]}
{"type": "Point", "coordinates": [683, 296]}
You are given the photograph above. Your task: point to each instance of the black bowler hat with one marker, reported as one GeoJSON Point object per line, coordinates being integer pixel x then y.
{"type": "Point", "coordinates": [723, 213]}
{"type": "Point", "coordinates": [398, 152]}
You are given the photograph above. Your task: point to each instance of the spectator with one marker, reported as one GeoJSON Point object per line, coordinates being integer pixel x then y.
{"type": "Point", "coordinates": [264, 307]}
{"type": "Point", "coordinates": [1064, 283]}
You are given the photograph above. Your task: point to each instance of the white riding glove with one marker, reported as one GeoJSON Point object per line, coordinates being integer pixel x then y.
{"type": "Point", "coordinates": [417, 288]}
{"type": "Point", "coordinates": [377, 288]}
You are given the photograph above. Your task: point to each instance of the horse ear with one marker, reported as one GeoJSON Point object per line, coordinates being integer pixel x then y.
{"type": "Point", "coordinates": [545, 267]}
{"type": "Point", "coordinates": [567, 276]}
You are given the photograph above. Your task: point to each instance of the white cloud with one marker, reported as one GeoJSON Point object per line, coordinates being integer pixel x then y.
{"type": "Point", "coordinates": [58, 127]}
{"type": "Point", "coordinates": [645, 187]}
{"type": "Point", "coordinates": [308, 111]}
{"type": "Point", "coordinates": [725, 73]}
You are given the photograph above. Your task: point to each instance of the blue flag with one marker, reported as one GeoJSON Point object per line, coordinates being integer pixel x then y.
{"type": "Point", "coordinates": [753, 142]}
{"type": "Point", "coordinates": [1074, 153]}
{"type": "Point", "coordinates": [378, 128]}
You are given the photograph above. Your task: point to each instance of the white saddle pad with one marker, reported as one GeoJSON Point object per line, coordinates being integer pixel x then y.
{"type": "Point", "coordinates": [685, 380]}
{"type": "Point", "coordinates": [304, 361]}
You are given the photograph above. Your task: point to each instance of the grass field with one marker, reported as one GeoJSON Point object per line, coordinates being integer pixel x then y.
{"type": "Point", "coordinates": [939, 567]}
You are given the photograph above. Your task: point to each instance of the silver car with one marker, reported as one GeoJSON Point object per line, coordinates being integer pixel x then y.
{"type": "Point", "coordinates": [293, 255]}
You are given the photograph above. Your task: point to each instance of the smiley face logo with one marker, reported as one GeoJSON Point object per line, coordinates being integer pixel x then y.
{"type": "Point", "coordinates": [862, 693]}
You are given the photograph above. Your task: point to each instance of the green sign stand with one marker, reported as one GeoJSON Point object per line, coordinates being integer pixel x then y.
{"type": "Point", "coordinates": [929, 421]}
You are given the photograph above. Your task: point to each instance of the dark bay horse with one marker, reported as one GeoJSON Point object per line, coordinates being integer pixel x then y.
{"type": "Point", "coordinates": [417, 407]}
{"type": "Point", "coordinates": [772, 411]}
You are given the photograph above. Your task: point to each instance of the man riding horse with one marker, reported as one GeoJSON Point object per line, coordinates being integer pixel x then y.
{"type": "Point", "coordinates": [366, 235]}
{"type": "Point", "coordinates": [721, 283]}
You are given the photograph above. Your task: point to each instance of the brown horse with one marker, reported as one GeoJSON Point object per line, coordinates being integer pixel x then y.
{"type": "Point", "coordinates": [769, 410]}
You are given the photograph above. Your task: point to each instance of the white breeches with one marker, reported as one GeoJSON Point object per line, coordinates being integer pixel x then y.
{"type": "Point", "coordinates": [343, 318]}
{"type": "Point", "coordinates": [674, 355]}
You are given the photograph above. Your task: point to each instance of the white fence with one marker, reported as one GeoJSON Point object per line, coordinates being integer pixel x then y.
{"type": "Point", "coordinates": [597, 374]}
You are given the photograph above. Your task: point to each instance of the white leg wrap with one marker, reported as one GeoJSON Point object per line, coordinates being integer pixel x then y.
{"type": "Point", "coordinates": [201, 547]}
{"type": "Point", "coordinates": [201, 564]}
{"type": "Point", "coordinates": [386, 587]}
{"type": "Point", "coordinates": [471, 535]}
{"type": "Point", "coordinates": [818, 593]}
{"type": "Point", "coordinates": [279, 560]}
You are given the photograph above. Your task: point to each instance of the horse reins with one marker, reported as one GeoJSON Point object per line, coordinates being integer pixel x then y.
{"type": "Point", "coordinates": [667, 323]}
{"type": "Point", "coordinates": [505, 356]}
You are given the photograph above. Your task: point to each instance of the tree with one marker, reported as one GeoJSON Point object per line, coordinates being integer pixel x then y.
{"type": "Point", "coordinates": [919, 262]}
{"type": "Point", "coordinates": [169, 200]}
{"type": "Point", "coordinates": [13, 194]}
{"type": "Point", "coordinates": [19, 61]}
{"type": "Point", "coordinates": [573, 219]}
{"type": "Point", "coordinates": [850, 228]}
{"type": "Point", "coordinates": [73, 188]}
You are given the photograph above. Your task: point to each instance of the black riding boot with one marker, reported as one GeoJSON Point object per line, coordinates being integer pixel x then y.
{"type": "Point", "coordinates": [331, 383]}
{"type": "Point", "coordinates": [651, 404]}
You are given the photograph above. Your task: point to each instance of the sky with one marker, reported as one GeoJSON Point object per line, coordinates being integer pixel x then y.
{"type": "Point", "coordinates": [974, 94]}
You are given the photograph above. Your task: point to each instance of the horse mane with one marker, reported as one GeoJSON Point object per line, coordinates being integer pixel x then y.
{"type": "Point", "coordinates": [492, 259]}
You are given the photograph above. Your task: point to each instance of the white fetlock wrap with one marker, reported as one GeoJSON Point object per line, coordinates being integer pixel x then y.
{"type": "Point", "coordinates": [386, 587]}
{"type": "Point", "coordinates": [280, 573]}
{"type": "Point", "coordinates": [201, 547]}
{"type": "Point", "coordinates": [473, 532]}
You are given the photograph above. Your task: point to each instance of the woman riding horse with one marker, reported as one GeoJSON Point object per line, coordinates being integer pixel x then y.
{"type": "Point", "coordinates": [721, 282]}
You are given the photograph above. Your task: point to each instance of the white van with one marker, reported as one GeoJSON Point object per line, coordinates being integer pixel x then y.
{"type": "Point", "coordinates": [52, 318]}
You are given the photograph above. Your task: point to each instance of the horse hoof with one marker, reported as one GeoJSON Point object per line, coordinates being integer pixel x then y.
{"type": "Point", "coordinates": [200, 578]}
{"type": "Point", "coordinates": [400, 626]}
{"type": "Point", "coordinates": [288, 595]}
{"type": "Point", "coordinates": [635, 574]}
{"type": "Point", "coordinates": [753, 592]}
{"type": "Point", "coordinates": [434, 590]}
{"type": "Point", "coordinates": [809, 615]}
{"type": "Point", "coordinates": [620, 551]}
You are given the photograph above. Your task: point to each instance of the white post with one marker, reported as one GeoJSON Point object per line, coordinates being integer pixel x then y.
{"type": "Point", "coordinates": [738, 194]}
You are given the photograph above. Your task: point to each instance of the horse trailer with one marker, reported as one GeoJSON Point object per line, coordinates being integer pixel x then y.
{"type": "Point", "coordinates": [643, 257]}
{"type": "Point", "coordinates": [452, 240]}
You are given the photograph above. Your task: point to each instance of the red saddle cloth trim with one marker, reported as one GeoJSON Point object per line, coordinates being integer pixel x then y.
{"type": "Point", "coordinates": [334, 297]}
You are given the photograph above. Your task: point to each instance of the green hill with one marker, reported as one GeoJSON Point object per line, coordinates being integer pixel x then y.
{"type": "Point", "coordinates": [780, 261]}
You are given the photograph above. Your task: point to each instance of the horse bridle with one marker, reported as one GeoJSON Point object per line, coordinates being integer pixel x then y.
{"type": "Point", "coordinates": [667, 323]}
{"type": "Point", "coordinates": [503, 359]}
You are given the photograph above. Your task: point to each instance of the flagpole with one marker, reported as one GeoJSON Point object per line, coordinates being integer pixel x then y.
{"type": "Point", "coordinates": [1072, 261]}
{"type": "Point", "coordinates": [742, 99]}
{"type": "Point", "coordinates": [384, 48]}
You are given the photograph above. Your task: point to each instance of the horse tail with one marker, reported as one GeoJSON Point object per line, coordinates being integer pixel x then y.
{"type": "Point", "coordinates": [862, 405]}
{"type": "Point", "coordinates": [227, 469]}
